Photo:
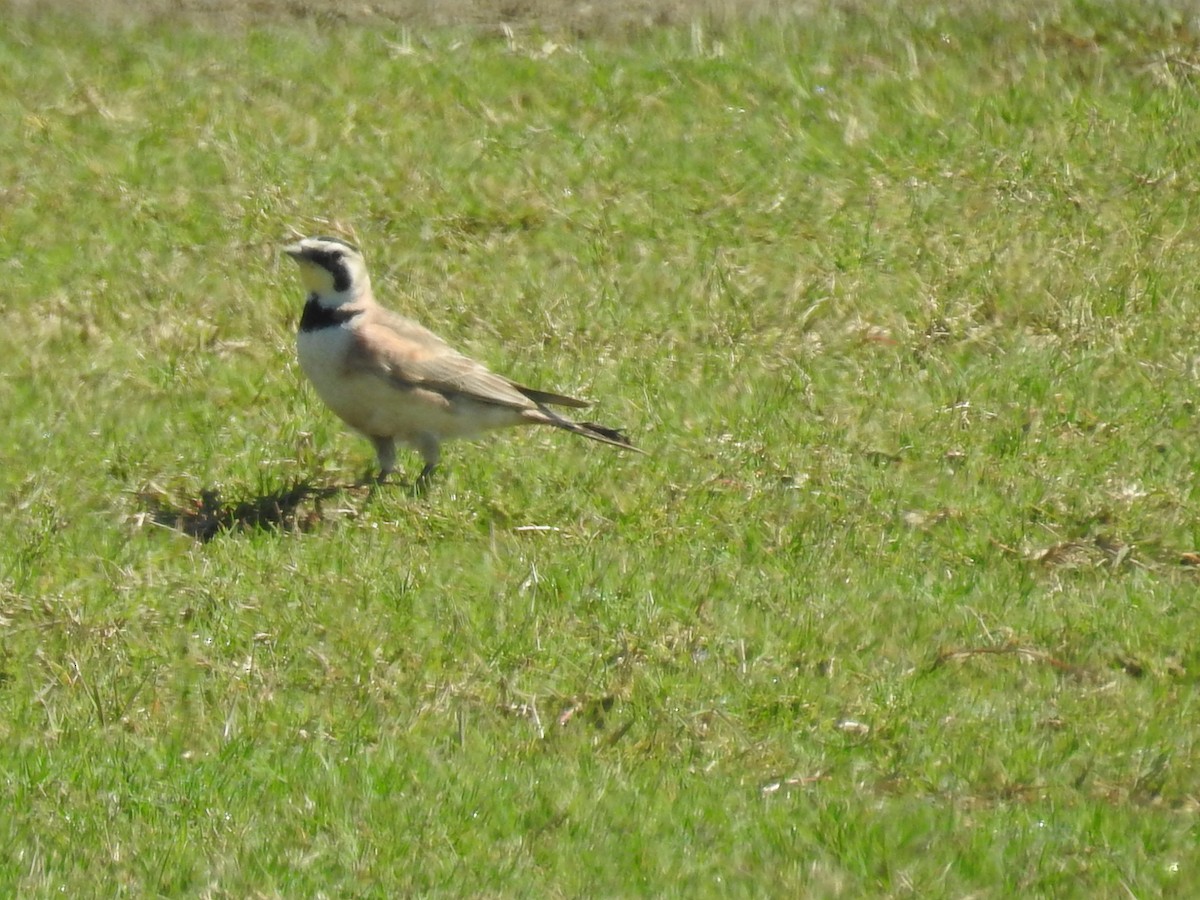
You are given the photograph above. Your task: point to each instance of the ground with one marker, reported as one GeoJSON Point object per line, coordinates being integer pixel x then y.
{"type": "Point", "coordinates": [901, 301]}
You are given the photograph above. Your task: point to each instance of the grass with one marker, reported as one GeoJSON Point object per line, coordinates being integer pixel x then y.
{"type": "Point", "coordinates": [902, 300]}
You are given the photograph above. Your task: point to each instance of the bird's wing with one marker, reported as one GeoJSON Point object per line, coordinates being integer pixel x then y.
{"type": "Point", "coordinates": [410, 355]}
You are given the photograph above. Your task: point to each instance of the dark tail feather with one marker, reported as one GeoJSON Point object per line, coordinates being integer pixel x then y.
{"type": "Point", "coordinates": [600, 433]}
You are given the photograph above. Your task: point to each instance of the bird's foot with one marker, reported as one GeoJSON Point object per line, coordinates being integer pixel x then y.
{"type": "Point", "coordinates": [372, 479]}
{"type": "Point", "coordinates": [424, 480]}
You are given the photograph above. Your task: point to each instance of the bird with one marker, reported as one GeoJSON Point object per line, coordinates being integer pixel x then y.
{"type": "Point", "coordinates": [395, 381]}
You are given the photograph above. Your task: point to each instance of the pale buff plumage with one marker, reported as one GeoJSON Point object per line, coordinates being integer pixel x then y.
{"type": "Point", "coordinates": [394, 380]}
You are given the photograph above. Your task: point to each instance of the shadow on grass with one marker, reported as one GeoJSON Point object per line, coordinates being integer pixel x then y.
{"type": "Point", "coordinates": [297, 507]}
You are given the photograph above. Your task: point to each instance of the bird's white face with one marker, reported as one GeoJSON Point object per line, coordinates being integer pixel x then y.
{"type": "Point", "coordinates": [330, 268]}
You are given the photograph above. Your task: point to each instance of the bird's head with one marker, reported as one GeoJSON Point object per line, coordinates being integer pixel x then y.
{"type": "Point", "coordinates": [331, 269]}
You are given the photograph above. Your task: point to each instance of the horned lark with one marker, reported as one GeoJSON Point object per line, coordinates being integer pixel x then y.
{"type": "Point", "coordinates": [394, 380]}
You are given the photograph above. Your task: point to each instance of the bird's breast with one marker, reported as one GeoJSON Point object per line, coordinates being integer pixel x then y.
{"type": "Point", "coordinates": [362, 400]}
{"type": "Point", "coordinates": [322, 352]}
{"type": "Point", "coordinates": [323, 355]}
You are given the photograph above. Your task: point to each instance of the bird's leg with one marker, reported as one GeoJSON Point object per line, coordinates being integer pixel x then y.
{"type": "Point", "coordinates": [385, 452]}
{"type": "Point", "coordinates": [431, 452]}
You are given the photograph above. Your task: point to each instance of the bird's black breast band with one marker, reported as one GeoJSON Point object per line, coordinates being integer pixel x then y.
{"type": "Point", "coordinates": [316, 316]}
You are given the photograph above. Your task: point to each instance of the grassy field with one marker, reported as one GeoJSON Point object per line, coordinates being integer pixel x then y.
{"type": "Point", "coordinates": [901, 300]}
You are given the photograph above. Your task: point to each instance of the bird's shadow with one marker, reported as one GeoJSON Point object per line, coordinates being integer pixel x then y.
{"type": "Point", "coordinates": [298, 507]}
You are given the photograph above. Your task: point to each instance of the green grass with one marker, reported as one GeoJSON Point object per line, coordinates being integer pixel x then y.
{"type": "Point", "coordinates": [901, 300]}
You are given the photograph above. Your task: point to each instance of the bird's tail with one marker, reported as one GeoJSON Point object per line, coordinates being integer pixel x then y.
{"type": "Point", "coordinates": [601, 433]}
{"type": "Point", "coordinates": [591, 430]}
{"type": "Point", "coordinates": [605, 435]}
